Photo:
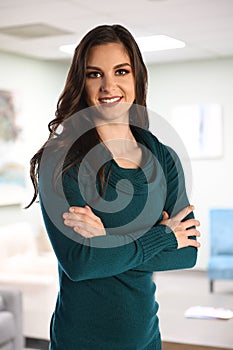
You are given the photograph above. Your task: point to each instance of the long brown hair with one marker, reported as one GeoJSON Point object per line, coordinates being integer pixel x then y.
{"type": "Point", "coordinates": [72, 100]}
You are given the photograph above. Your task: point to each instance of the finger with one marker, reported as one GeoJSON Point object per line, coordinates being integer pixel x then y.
{"type": "Point", "coordinates": [192, 232]}
{"type": "Point", "coordinates": [90, 212]}
{"type": "Point", "coordinates": [75, 217]}
{"type": "Point", "coordinates": [84, 211]}
{"type": "Point", "coordinates": [71, 223]}
{"type": "Point", "coordinates": [82, 232]}
{"type": "Point", "coordinates": [78, 210]}
{"type": "Point", "coordinates": [90, 229]}
{"type": "Point", "coordinates": [165, 215]}
{"type": "Point", "coordinates": [94, 230]}
{"type": "Point", "coordinates": [194, 243]}
{"type": "Point", "coordinates": [182, 243]}
{"type": "Point", "coordinates": [83, 218]}
{"type": "Point", "coordinates": [183, 213]}
{"type": "Point", "coordinates": [189, 223]}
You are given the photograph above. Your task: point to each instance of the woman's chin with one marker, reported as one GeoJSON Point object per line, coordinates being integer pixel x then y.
{"type": "Point", "coordinates": [117, 112]}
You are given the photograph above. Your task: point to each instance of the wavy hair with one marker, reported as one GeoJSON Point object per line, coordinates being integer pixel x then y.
{"type": "Point", "coordinates": [72, 99]}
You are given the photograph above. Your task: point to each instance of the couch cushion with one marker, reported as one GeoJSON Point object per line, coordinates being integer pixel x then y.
{"type": "Point", "coordinates": [7, 327]}
{"type": "Point", "coordinates": [30, 264]}
{"type": "Point", "coordinates": [16, 239]}
{"type": "Point", "coordinates": [8, 346]}
{"type": "Point", "coordinates": [220, 267]}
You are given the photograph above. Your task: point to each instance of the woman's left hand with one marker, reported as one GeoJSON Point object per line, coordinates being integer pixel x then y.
{"type": "Point", "coordinates": [84, 222]}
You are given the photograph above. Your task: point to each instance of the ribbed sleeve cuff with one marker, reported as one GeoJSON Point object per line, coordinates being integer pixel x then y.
{"type": "Point", "coordinates": [158, 238]}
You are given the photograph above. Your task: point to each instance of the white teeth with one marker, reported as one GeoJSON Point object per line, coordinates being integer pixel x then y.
{"type": "Point", "coordinates": [110, 100]}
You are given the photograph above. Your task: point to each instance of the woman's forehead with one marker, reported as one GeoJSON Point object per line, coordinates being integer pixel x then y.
{"type": "Point", "coordinates": [105, 52]}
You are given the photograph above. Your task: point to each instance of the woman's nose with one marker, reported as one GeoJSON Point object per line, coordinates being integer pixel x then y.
{"type": "Point", "coordinates": [108, 83]}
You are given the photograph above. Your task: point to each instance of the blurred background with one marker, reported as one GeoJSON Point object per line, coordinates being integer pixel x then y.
{"type": "Point", "coordinates": [190, 89]}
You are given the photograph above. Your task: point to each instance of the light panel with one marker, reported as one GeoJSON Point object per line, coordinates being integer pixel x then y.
{"type": "Point", "coordinates": [146, 44]}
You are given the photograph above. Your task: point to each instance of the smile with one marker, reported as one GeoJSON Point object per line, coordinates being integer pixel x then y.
{"type": "Point", "coordinates": [110, 100]}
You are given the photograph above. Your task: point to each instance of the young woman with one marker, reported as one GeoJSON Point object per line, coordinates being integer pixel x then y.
{"type": "Point", "coordinates": [113, 200]}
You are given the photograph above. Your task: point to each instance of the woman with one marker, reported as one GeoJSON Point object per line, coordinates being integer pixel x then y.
{"type": "Point", "coordinates": [113, 200]}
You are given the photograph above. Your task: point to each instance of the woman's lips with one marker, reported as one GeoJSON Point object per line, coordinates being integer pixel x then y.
{"type": "Point", "coordinates": [110, 101]}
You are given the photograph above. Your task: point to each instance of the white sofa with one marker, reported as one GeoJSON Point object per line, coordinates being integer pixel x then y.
{"type": "Point", "coordinates": [11, 335]}
{"type": "Point", "coordinates": [28, 263]}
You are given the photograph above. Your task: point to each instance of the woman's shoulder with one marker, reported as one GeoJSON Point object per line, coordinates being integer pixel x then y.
{"type": "Point", "coordinates": [151, 141]}
{"type": "Point", "coordinates": [156, 142]}
{"type": "Point", "coordinates": [53, 167]}
{"type": "Point", "coordinates": [164, 153]}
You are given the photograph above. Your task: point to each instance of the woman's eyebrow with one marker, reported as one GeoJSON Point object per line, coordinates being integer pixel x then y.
{"type": "Point", "coordinates": [122, 65]}
{"type": "Point", "coordinates": [115, 67]}
{"type": "Point", "coordinates": [93, 67]}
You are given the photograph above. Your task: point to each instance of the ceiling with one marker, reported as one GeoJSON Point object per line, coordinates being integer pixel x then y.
{"type": "Point", "coordinates": [36, 28]}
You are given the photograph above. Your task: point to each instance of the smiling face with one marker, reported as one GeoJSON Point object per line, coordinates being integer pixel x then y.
{"type": "Point", "coordinates": [109, 81]}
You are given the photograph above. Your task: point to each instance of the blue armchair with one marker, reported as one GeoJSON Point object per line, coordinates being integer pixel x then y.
{"type": "Point", "coordinates": [220, 264]}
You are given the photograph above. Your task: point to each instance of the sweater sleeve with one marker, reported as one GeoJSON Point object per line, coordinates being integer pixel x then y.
{"type": "Point", "coordinates": [183, 258]}
{"type": "Point", "coordinates": [97, 257]}
{"type": "Point", "coordinates": [176, 200]}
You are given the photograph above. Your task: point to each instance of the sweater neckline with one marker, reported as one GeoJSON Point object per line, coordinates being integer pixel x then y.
{"type": "Point", "coordinates": [142, 179]}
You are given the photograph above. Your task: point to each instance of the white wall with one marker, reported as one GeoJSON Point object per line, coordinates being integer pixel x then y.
{"type": "Point", "coordinates": [200, 82]}
{"type": "Point", "coordinates": [40, 83]}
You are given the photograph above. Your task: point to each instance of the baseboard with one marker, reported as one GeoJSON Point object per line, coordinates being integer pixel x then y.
{"type": "Point", "coordinates": [178, 346]}
{"type": "Point", "coordinates": [34, 343]}
{"type": "Point", "coordinates": [42, 344]}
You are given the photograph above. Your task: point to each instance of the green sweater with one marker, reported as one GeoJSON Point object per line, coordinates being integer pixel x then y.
{"type": "Point", "coordinates": [106, 298]}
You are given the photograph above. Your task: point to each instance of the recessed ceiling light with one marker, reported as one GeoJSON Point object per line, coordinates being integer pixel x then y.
{"type": "Point", "coordinates": [33, 30]}
{"type": "Point", "coordinates": [159, 43]}
{"type": "Point", "coordinates": [68, 48]}
{"type": "Point", "coordinates": [146, 44]}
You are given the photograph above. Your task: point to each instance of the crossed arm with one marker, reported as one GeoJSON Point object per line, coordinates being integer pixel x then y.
{"type": "Point", "coordinates": [169, 244]}
{"type": "Point", "coordinates": [183, 225]}
{"type": "Point", "coordinates": [85, 223]}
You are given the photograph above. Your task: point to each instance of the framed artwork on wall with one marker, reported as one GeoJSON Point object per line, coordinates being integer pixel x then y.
{"type": "Point", "coordinates": [12, 172]}
{"type": "Point", "coordinates": [200, 128]}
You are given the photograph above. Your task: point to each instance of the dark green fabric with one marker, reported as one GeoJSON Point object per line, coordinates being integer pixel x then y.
{"type": "Point", "coordinates": [107, 298]}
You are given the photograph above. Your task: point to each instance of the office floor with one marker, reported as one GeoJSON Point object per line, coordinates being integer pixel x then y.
{"type": "Point", "coordinates": [176, 346]}
{"type": "Point", "coordinates": [173, 291]}
{"type": "Point", "coordinates": [177, 284]}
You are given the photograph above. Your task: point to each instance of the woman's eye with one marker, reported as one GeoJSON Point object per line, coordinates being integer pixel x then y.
{"type": "Point", "coordinates": [122, 72]}
{"type": "Point", "coordinates": [93, 75]}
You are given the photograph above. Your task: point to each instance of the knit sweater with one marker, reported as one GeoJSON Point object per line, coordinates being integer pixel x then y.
{"type": "Point", "coordinates": [106, 298]}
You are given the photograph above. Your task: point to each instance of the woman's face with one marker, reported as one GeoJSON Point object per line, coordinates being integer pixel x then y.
{"type": "Point", "coordinates": [110, 82]}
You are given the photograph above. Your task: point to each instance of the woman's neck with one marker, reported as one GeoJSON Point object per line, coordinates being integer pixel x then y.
{"type": "Point", "coordinates": [118, 138]}
{"type": "Point", "coordinates": [114, 130]}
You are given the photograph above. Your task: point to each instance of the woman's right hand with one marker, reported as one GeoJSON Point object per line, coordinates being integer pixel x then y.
{"type": "Point", "coordinates": [182, 229]}
{"type": "Point", "coordinates": [84, 222]}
